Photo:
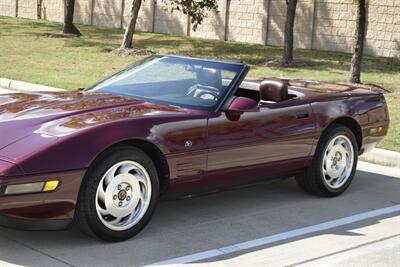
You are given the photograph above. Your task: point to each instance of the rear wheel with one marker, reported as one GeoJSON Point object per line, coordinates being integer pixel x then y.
{"type": "Point", "coordinates": [334, 163]}
{"type": "Point", "coordinates": [119, 194]}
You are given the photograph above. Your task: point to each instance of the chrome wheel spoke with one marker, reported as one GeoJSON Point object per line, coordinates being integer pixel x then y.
{"type": "Point", "coordinates": [102, 194]}
{"type": "Point", "coordinates": [324, 163]}
{"type": "Point", "coordinates": [103, 212]}
{"type": "Point", "coordinates": [142, 196]}
{"type": "Point", "coordinates": [126, 169]}
{"type": "Point", "coordinates": [329, 148]}
{"type": "Point", "coordinates": [141, 179]}
{"type": "Point", "coordinates": [116, 221]}
{"type": "Point", "coordinates": [110, 175]}
{"type": "Point", "coordinates": [340, 142]}
{"type": "Point", "coordinates": [324, 172]}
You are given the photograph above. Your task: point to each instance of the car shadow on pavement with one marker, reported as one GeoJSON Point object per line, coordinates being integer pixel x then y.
{"type": "Point", "coordinates": [193, 225]}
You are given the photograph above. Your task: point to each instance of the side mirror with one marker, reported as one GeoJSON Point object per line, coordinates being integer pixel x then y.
{"type": "Point", "coordinates": [243, 104]}
{"type": "Point", "coordinates": [240, 105]}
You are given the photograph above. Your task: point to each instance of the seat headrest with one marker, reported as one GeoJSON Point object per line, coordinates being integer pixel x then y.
{"type": "Point", "coordinates": [275, 91]}
{"type": "Point", "coordinates": [209, 77]}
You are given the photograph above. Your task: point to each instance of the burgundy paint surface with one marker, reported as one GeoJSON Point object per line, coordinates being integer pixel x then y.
{"type": "Point", "coordinates": [243, 104]}
{"type": "Point", "coordinates": [58, 135]}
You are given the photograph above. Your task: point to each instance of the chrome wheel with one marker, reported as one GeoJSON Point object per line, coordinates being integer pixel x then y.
{"type": "Point", "coordinates": [123, 195]}
{"type": "Point", "coordinates": [338, 161]}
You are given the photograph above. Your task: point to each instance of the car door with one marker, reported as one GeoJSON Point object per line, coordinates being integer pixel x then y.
{"type": "Point", "coordinates": [276, 140]}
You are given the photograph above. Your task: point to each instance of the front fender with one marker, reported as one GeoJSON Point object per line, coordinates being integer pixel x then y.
{"type": "Point", "coordinates": [40, 153]}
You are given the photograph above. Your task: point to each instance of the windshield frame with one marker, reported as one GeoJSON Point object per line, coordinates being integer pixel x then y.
{"type": "Point", "coordinates": [234, 84]}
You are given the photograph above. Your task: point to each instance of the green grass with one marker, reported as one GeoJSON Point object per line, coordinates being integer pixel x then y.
{"type": "Point", "coordinates": [27, 54]}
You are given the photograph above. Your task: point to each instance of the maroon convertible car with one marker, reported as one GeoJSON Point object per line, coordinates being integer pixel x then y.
{"type": "Point", "coordinates": [174, 126]}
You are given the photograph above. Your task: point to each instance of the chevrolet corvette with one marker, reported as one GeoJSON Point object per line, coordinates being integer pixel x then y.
{"type": "Point", "coordinates": [174, 126]}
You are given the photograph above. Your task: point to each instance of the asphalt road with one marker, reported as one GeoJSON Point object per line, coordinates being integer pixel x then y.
{"type": "Point", "coordinates": [269, 224]}
{"type": "Point", "coordinates": [187, 227]}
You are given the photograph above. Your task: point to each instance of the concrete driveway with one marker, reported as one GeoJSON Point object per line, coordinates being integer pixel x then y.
{"type": "Point", "coordinates": [209, 223]}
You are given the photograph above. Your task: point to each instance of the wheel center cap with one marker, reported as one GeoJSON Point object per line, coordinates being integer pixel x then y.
{"type": "Point", "coordinates": [119, 200]}
{"type": "Point", "coordinates": [338, 156]}
{"type": "Point", "coordinates": [122, 195]}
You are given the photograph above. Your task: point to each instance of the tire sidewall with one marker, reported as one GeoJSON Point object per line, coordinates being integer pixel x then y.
{"type": "Point", "coordinates": [95, 175]}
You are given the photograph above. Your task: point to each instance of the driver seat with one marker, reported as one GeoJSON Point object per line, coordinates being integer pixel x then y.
{"type": "Point", "coordinates": [209, 77]}
{"type": "Point", "coordinates": [272, 91]}
{"type": "Point", "coordinates": [209, 82]}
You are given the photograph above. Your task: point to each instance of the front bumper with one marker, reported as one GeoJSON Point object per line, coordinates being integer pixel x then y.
{"type": "Point", "coordinates": [41, 211]}
{"type": "Point", "coordinates": [34, 225]}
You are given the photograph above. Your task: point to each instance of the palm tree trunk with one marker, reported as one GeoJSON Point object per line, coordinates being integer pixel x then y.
{"type": "Point", "coordinates": [359, 37]}
{"type": "Point", "coordinates": [127, 42]}
{"type": "Point", "coordinates": [289, 25]}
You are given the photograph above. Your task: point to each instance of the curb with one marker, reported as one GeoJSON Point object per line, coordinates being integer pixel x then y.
{"type": "Point", "coordinates": [382, 157]}
{"type": "Point", "coordinates": [26, 87]}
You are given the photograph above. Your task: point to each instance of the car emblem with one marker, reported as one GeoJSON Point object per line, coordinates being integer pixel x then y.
{"type": "Point", "coordinates": [188, 143]}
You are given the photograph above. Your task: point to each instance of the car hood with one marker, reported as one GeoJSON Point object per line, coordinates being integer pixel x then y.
{"type": "Point", "coordinates": [62, 113]}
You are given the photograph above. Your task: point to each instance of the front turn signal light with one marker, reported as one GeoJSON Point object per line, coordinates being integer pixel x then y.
{"type": "Point", "coordinates": [50, 186]}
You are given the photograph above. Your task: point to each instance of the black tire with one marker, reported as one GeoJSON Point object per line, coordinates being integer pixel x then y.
{"type": "Point", "coordinates": [86, 215]}
{"type": "Point", "coordinates": [312, 180]}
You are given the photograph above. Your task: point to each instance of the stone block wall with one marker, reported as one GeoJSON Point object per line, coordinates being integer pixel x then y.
{"type": "Point", "coordinates": [213, 27]}
{"type": "Point", "coordinates": [52, 10]}
{"type": "Point", "coordinates": [107, 13]}
{"type": "Point", "coordinates": [320, 24]}
{"type": "Point", "coordinates": [169, 23]}
{"type": "Point", "coordinates": [145, 17]}
{"type": "Point", "coordinates": [247, 21]}
{"type": "Point", "coordinates": [27, 9]}
{"type": "Point", "coordinates": [8, 8]}
{"type": "Point", "coordinates": [383, 35]}
{"type": "Point", "coordinates": [83, 11]}
{"type": "Point", "coordinates": [334, 26]}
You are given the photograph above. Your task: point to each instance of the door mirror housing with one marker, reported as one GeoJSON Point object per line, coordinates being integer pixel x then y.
{"type": "Point", "coordinates": [243, 104]}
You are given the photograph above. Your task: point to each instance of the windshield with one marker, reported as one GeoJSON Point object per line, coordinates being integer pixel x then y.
{"type": "Point", "coordinates": [178, 81]}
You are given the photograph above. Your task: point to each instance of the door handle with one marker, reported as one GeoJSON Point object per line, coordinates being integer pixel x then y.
{"type": "Point", "coordinates": [302, 114]}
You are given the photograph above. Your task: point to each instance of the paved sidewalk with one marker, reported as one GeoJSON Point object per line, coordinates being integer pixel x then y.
{"type": "Point", "coordinates": [382, 157]}
{"type": "Point", "coordinates": [5, 91]}
{"type": "Point", "coordinates": [25, 86]}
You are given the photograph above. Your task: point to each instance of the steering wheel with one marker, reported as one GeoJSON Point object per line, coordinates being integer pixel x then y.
{"type": "Point", "coordinates": [208, 95]}
{"type": "Point", "coordinates": [204, 92]}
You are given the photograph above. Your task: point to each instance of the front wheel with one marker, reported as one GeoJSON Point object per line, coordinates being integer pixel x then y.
{"type": "Point", "coordinates": [119, 194]}
{"type": "Point", "coordinates": [334, 163]}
